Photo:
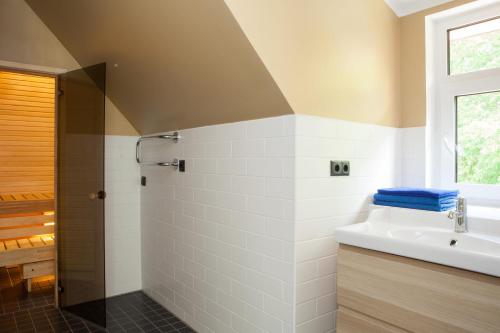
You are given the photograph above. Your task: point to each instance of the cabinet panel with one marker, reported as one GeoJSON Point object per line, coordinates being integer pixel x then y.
{"type": "Point", "coordinates": [349, 321]}
{"type": "Point", "coordinates": [416, 295]}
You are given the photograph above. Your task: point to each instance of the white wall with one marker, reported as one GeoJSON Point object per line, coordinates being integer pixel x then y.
{"type": "Point", "coordinates": [244, 241]}
{"type": "Point", "coordinates": [122, 228]}
{"type": "Point", "coordinates": [413, 156]}
{"type": "Point", "coordinates": [217, 247]}
{"type": "Point", "coordinates": [324, 202]}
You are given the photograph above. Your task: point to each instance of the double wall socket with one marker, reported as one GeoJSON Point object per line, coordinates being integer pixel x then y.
{"type": "Point", "coordinates": [340, 168]}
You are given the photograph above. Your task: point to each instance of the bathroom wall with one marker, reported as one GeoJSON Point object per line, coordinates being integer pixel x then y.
{"type": "Point", "coordinates": [122, 228]}
{"type": "Point", "coordinates": [324, 203]}
{"type": "Point", "coordinates": [244, 241]}
{"type": "Point", "coordinates": [413, 156]}
{"type": "Point", "coordinates": [217, 240]}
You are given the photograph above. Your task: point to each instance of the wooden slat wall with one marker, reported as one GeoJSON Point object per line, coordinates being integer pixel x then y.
{"type": "Point", "coordinates": [27, 109]}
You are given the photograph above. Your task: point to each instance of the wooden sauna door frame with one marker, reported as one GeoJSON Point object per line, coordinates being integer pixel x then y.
{"type": "Point", "coordinates": [53, 73]}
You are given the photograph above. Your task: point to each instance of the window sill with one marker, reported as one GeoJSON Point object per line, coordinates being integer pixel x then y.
{"type": "Point", "coordinates": [483, 212]}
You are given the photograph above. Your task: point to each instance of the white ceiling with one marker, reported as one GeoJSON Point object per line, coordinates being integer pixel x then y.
{"type": "Point", "coordinates": [407, 7]}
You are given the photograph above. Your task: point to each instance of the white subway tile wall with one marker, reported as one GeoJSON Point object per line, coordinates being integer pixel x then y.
{"type": "Point", "coordinates": [413, 156]}
{"type": "Point", "coordinates": [324, 203]}
{"type": "Point", "coordinates": [218, 240]}
{"type": "Point", "coordinates": [122, 227]}
{"type": "Point", "coordinates": [244, 240]}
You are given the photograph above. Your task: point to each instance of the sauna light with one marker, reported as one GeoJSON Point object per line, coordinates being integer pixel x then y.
{"type": "Point", "coordinates": [48, 213]}
{"type": "Point", "coordinates": [48, 223]}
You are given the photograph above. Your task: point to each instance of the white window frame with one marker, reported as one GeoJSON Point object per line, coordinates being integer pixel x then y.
{"type": "Point", "coordinates": [441, 92]}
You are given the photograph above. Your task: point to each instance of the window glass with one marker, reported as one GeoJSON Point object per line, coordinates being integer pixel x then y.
{"type": "Point", "coordinates": [478, 138]}
{"type": "Point", "coordinates": [475, 47]}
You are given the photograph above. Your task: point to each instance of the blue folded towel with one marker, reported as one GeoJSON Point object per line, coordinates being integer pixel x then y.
{"type": "Point", "coordinates": [436, 208]}
{"type": "Point", "coordinates": [416, 200]}
{"type": "Point", "coordinates": [419, 192]}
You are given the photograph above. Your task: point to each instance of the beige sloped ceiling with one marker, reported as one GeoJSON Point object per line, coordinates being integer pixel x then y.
{"type": "Point", "coordinates": [179, 63]}
{"type": "Point", "coordinates": [26, 43]}
{"type": "Point", "coordinates": [187, 63]}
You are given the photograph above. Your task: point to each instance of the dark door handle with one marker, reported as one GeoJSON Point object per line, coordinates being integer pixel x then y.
{"type": "Point", "coordinates": [99, 195]}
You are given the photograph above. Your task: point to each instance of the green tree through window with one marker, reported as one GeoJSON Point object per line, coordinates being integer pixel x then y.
{"type": "Point", "coordinates": [478, 138]}
{"type": "Point", "coordinates": [478, 116]}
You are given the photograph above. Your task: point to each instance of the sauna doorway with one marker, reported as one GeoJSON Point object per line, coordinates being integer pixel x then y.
{"type": "Point", "coordinates": [27, 163]}
{"type": "Point", "coordinates": [52, 187]}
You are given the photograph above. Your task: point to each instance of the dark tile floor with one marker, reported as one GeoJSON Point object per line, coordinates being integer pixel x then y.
{"type": "Point", "coordinates": [13, 294]}
{"type": "Point", "coordinates": [35, 312]}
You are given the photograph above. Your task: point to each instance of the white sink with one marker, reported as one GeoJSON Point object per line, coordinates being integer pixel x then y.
{"type": "Point", "coordinates": [430, 236]}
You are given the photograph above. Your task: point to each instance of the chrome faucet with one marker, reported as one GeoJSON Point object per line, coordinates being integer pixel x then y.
{"type": "Point", "coordinates": [459, 215]}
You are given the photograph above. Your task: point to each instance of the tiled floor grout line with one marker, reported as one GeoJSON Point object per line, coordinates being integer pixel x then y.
{"type": "Point", "coordinates": [147, 319]}
{"type": "Point", "coordinates": [10, 278]}
{"type": "Point", "coordinates": [150, 320]}
{"type": "Point", "coordinates": [31, 318]}
{"type": "Point", "coordinates": [15, 323]}
{"type": "Point", "coordinates": [125, 313]}
{"type": "Point", "coordinates": [48, 319]}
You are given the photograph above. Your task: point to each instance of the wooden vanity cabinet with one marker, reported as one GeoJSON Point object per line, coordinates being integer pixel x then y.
{"type": "Point", "coordinates": [380, 292]}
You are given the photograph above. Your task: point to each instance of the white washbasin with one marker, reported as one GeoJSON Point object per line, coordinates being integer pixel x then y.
{"type": "Point", "coordinates": [429, 236]}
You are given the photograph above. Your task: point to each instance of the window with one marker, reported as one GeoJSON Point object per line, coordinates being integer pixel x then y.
{"type": "Point", "coordinates": [474, 47]}
{"type": "Point", "coordinates": [463, 88]}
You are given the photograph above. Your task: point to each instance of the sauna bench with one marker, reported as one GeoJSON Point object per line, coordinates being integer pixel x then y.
{"type": "Point", "coordinates": [26, 250]}
{"type": "Point", "coordinates": [380, 292]}
{"type": "Point", "coordinates": [27, 234]}
{"type": "Point", "coordinates": [35, 256]}
{"type": "Point", "coordinates": [26, 203]}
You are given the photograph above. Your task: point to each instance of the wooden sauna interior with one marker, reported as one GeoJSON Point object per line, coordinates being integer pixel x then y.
{"type": "Point", "coordinates": [27, 145]}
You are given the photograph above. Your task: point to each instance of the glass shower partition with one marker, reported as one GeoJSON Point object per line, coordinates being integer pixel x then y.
{"type": "Point", "coordinates": [80, 193]}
